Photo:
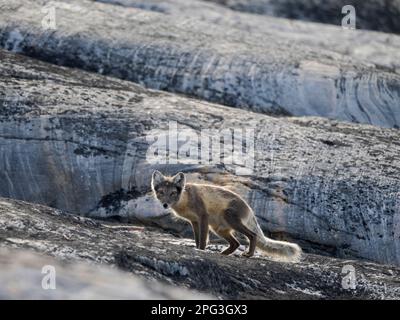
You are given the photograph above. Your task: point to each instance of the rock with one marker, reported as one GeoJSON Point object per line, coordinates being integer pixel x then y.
{"type": "Point", "coordinates": [85, 144]}
{"type": "Point", "coordinates": [23, 272]}
{"type": "Point", "coordinates": [381, 15]}
{"type": "Point", "coordinates": [256, 70]}
{"type": "Point", "coordinates": [160, 257]}
{"type": "Point", "coordinates": [381, 49]}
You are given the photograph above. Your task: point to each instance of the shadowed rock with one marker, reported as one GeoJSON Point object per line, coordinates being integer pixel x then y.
{"type": "Point", "coordinates": [85, 143]}
{"type": "Point", "coordinates": [264, 72]}
{"type": "Point", "coordinates": [381, 15]}
{"type": "Point", "coordinates": [159, 256]}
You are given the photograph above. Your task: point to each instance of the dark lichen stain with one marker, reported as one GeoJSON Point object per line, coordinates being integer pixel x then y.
{"type": "Point", "coordinates": [113, 200]}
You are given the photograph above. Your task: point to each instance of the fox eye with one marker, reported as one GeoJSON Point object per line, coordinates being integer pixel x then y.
{"type": "Point", "coordinates": [174, 193]}
{"type": "Point", "coordinates": [161, 193]}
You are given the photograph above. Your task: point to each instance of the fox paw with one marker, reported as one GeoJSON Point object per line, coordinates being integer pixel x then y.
{"type": "Point", "coordinates": [247, 254]}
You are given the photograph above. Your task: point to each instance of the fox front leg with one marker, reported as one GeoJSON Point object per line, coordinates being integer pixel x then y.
{"type": "Point", "coordinates": [196, 233]}
{"type": "Point", "coordinates": [203, 237]}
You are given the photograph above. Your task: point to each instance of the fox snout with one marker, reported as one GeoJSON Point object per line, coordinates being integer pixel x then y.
{"type": "Point", "coordinates": [165, 205]}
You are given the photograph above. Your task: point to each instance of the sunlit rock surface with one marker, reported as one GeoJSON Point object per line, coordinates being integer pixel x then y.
{"type": "Point", "coordinates": [381, 49]}
{"type": "Point", "coordinates": [162, 259]}
{"type": "Point", "coordinates": [258, 70]}
{"type": "Point", "coordinates": [83, 143]}
{"type": "Point", "coordinates": [23, 272]}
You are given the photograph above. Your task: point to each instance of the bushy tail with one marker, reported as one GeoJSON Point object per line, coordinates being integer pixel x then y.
{"type": "Point", "coordinates": [278, 250]}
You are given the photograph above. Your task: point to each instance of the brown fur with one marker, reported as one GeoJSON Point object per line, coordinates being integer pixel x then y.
{"type": "Point", "coordinates": [221, 210]}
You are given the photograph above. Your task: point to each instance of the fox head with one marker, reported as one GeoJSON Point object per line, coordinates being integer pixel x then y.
{"type": "Point", "coordinates": [168, 190]}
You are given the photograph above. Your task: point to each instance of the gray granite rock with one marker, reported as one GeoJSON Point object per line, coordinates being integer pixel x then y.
{"type": "Point", "coordinates": [81, 251]}
{"type": "Point", "coordinates": [268, 72]}
{"type": "Point", "coordinates": [84, 143]}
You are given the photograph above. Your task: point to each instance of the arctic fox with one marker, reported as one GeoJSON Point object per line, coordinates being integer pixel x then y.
{"type": "Point", "coordinates": [208, 206]}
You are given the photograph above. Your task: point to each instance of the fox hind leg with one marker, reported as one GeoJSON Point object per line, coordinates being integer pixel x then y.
{"type": "Point", "coordinates": [233, 242]}
{"type": "Point", "coordinates": [236, 224]}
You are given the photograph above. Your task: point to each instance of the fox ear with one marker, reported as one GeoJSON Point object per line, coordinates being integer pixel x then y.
{"type": "Point", "coordinates": [156, 178]}
{"type": "Point", "coordinates": [179, 180]}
